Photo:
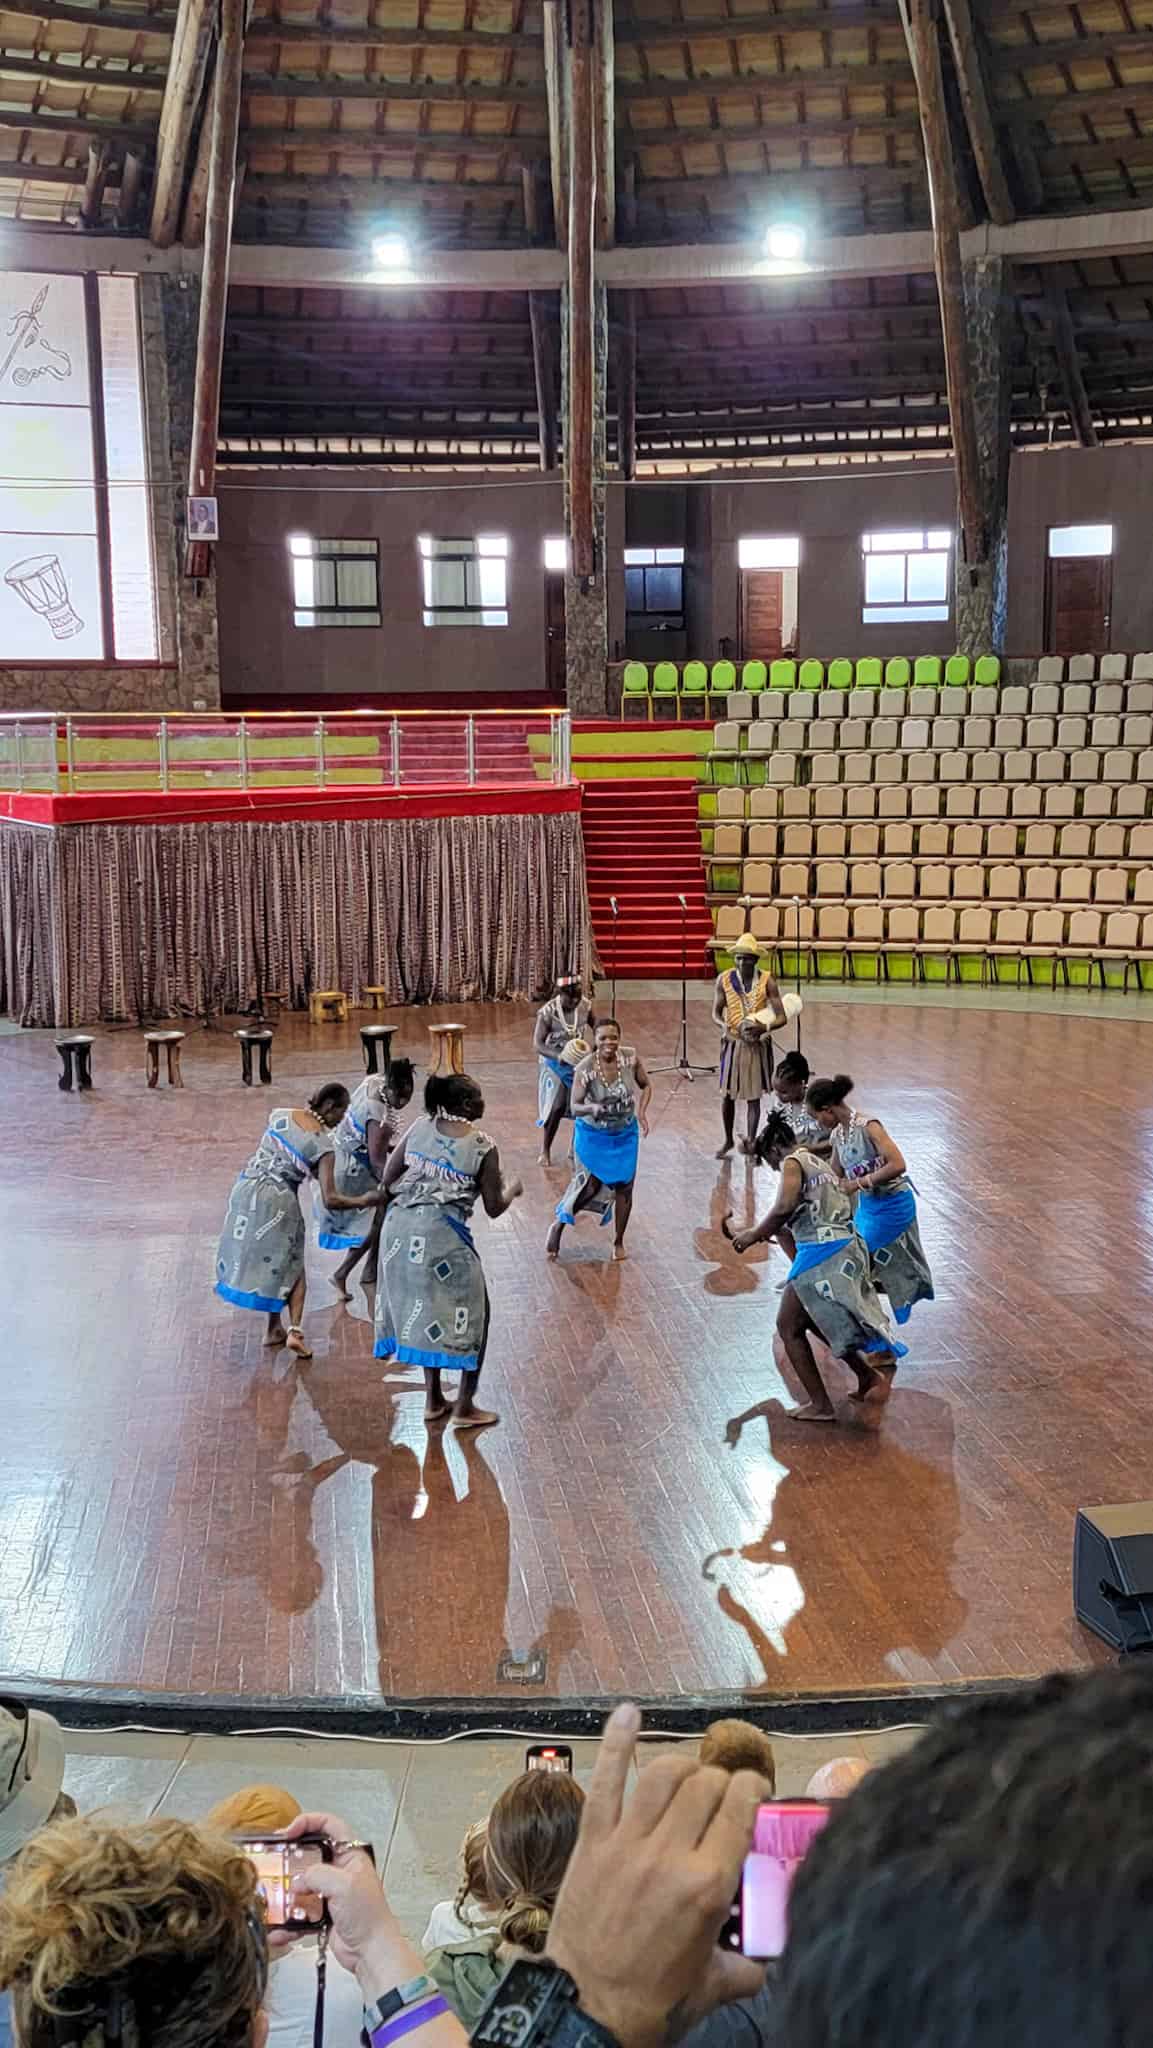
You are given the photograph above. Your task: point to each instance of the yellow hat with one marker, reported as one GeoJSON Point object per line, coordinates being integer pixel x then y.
{"type": "Point", "coordinates": [747, 943]}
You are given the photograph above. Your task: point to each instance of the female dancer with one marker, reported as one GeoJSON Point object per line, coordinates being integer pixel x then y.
{"type": "Point", "coordinates": [432, 1306]}
{"type": "Point", "coordinates": [746, 1045]}
{"type": "Point", "coordinates": [260, 1263]}
{"type": "Point", "coordinates": [609, 1120]}
{"type": "Point", "coordinates": [828, 1288]}
{"type": "Point", "coordinates": [567, 1015]}
{"type": "Point", "coordinates": [364, 1139]}
{"type": "Point", "coordinates": [873, 1169]}
{"type": "Point", "coordinates": [788, 1097]}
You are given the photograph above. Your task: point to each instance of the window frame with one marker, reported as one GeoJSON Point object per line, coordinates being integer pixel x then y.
{"type": "Point", "coordinates": [334, 617]}
{"type": "Point", "coordinates": [485, 617]}
{"type": "Point", "coordinates": [653, 618]}
{"type": "Point", "coordinates": [906, 611]}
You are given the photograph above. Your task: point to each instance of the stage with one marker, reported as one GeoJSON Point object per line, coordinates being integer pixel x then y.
{"type": "Point", "coordinates": [185, 1513]}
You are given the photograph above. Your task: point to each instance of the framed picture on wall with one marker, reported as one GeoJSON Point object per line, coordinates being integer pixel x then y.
{"type": "Point", "coordinates": [203, 519]}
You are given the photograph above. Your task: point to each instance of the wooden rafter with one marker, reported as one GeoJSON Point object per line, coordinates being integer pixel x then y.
{"type": "Point", "coordinates": [345, 142]}
{"type": "Point", "coordinates": [128, 197]}
{"type": "Point", "coordinates": [605, 105]}
{"type": "Point", "coordinates": [129, 20]}
{"type": "Point", "coordinates": [191, 43]}
{"type": "Point", "coordinates": [764, 85]}
{"type": "Point", "coordinates": [543, 329]}
{"type": "Point", "coordinates": [978, 114]}
{"type": "Point", "coordinates": [820, 127]}
{"type": "Point", "coordinates": [921, 33]}
{"type": "Point", "coordinates": [1065, 349]}
{"type": "Point", "coordinates": [94, 71]}
{"type": "Point", "coordinates": [626, 355]}
{"type": "Point", "coordinates": [214, 276]}
{"type": "Point", "coordinates": [1112, 48]}
{"type": "Point", "coordinates": [282, 86]}
{"type": "Point", "coordinates": [555, 74]}
{"type": "Point", "coordinates": [802, 21]}
{"type": "Point", "coordinates": [92, 204]}
{"type": "Point", "coordinates": [75, 124]}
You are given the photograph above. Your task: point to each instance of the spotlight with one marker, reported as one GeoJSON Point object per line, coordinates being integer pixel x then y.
{"type": "Point", "coordinates": [784, 242]}
{"type": "Point", "coordinates": [391, 252]}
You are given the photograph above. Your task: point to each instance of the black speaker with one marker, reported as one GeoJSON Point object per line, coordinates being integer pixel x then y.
{"type": "Point", "coordinates": [1113, 1574]}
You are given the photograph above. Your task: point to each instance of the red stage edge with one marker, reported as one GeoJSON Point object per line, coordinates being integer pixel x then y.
{"type": "Point", "coordinates": [270, 806]}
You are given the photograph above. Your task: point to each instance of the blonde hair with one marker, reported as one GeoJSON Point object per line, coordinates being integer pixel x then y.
{"type": "Point", "coordinates": [147, 1934]}
{"type": "Point", "coordinates": [739, 1746]}
{"type": "Point", "coordinates": [474, 1875]}
{"type": "Point", "coordinates": [254, 1810]}
{"type": "Point", "coordinates": [532, 1832]}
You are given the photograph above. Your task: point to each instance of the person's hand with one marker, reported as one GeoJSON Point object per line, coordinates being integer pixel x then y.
{"type": "Point", "coordinates": [644, 1124]}
{"type": "Point", "coordinates": [741, 1240]}
{"type": "Point", "coordinates": [366, 1935]}
{"type": "Point", "coordinates": [648, 1890]}
{"type": "Point", "coordinates": [513, 1190]}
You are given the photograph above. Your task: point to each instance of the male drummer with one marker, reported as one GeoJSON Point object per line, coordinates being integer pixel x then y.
{"type": "Point", "coordinates": [746, 1044]}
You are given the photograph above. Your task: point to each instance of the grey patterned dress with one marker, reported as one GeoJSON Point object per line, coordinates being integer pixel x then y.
{"type": "Point", "coordinates": [830, 1274]}
{"type": "Point", "coordinates": [886, 1221]}
{"type": "Point", "coordinates": [344, 1229]}
{"type": "Point", "coordinates": [431, 1298]}
{"type": "Point", "coordinates": [261, 1254]}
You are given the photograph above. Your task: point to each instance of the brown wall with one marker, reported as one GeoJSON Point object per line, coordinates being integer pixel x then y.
{"type": "Point", "coordinates": [1073, 487]}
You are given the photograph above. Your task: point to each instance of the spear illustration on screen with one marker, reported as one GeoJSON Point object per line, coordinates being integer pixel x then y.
{"type": "Point", "coordinates": [28, 332]}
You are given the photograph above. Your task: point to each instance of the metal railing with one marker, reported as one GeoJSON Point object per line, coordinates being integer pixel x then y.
{"type": "Point", "coordinates": [267, 750]}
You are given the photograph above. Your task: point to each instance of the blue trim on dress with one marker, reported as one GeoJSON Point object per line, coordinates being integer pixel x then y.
{"type": "Point", "coordinates": [330, 1242]}
{"type": "Point", "coordinates": [264, 1302]}
{"type": "Point", "coordinates": [306, 1163]}
{"type": "Point", "coordinates": [610, 1156]}
{"type": "Point", "coordinates": [429, 1361]}
{"type": "Point", "coordinates": [880, 1219]}
{"type": "Point", "coordinates": [815, 1254]}
{"type": "Point", "coordinates": [884, 1344]}
{"type": "Point", "coordinates": [461, 1228]}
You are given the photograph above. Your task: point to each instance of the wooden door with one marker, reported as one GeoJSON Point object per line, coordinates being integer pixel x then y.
{"type": "Point", "coordinates": [554, 632]}
{"type": "Point", "coordinates": [762, 613]}
{"type": "Point", "coordinates": [1078, 599]}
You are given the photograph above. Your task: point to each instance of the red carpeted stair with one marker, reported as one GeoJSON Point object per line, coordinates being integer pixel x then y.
{"type": "Point", "coordinates": [643, 846]}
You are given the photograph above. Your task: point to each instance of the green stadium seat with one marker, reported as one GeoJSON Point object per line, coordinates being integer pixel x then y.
{"type": "Point", "coordinates": [666, 684]}
{"type": "Point", "coordinates": [958, 670]}
{"type": "Point", "coordinates": [840, 676]}
{"type": "Point", "coordinates": [754, 676]}
{"type": "Point", "coordinates": [812, 675]}
{"type": "Point", "coordinates": [695, 681]}
{"type": "Point", "coordinates": [635, 687]}
{"type": "Point", "coordinates": [897, 673]}
{"type": "Point", "coordinates": [927, 671]}
{"type": "Point", "coordinates": [723, 679]}
{"type": "Point", "coordinates": [783, 675]}
{"type": "Point", "coordinates": [870, 673]}
{"type": "Point", "coordinates": [987, 671]}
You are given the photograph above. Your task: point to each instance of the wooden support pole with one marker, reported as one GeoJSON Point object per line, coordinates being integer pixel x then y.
{"type": "Point", "coordinates": [579, 424]}
{"type": "Point", "coordinates": [92, 204]}
{"type": "Point", "coordinates": [196, 202]}
{"type": "Point", "coordinates": [920, 26]}
{"type": "Point", "coordinates": [963, 36]}
{"type": "Point", "coordinates": [556, 75]}
{"type": "Point", "coordinates": [182, 95]}
{"type": "Point", "coordinates": [1068, 363]}
{"type": "Point", "coordinates": [605, 114]}
{"type": "Point", "coordinates": [128, 199]}
{"type": "Point", "coordinates": [544, 366]}
{"type": "Point", "coordinates": [214, 276]}
{"type": "Point", "coordinates": [626, 329]}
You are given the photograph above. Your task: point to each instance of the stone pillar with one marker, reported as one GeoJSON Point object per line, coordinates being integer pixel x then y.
{"type": "Point", "coordinates": [169, 316]}
{"type": "Point", "coordinates": [981, 588]}
{"type": "Point", "coordinates": [586, 603]}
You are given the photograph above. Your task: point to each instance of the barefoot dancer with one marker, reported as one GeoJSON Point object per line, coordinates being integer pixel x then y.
{"type": "Point", "coordinates": [566, 1016]}
{"type": "Point", "coordinates": [364, 1139]}
{"type": "Point", "coordinates": [746, 1046]}
{"type": "Point", "coordinates": [872, 1168]}
{"type": "Point", "coordinates": [432, 1306]}
{"type": "Point", "coordinates": [828, 1289]}
{"type": "Point", "coordinates": [788, 1097]}
{"type": "Point", "coordinates": [609, 1121]}
{"type": "Point", "coordinates": [260, 1263]}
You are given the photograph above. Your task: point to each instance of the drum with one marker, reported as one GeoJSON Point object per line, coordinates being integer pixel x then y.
{"type": "Point", "coordinates": [792, 1006]}
{"type": "Point", "coordinates": [575, 1051]}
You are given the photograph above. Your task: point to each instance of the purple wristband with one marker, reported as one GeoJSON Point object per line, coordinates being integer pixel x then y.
{"type": "Point", "coordinates": [404, 2022]}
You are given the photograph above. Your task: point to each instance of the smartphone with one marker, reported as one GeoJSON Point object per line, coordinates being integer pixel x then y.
{"type": "Point", "coordinates": [277, 1864]}
{"type": "Point", "coordinates": [548, 1756]}
{"type": "Point", "coordinates": [785, 1830]}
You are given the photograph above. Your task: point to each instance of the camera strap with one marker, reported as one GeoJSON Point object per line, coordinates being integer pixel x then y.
{"type": "Point", "coordinates": [321, 1980]}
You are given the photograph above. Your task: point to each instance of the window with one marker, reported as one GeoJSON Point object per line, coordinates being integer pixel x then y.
{"type": "Point", "coordinates": [465, 581]}
{"type": "Point", "coordinates": [655, 589]}
{"type": "Point", "coordinates": [334, 582]}
{"type": "Point", "coordinates": [556, 553]}
{"type": "Point", "coordinates": [766, 551]}
{"type": "Point", "coordinates": [906, 577]}
{"type": "Point", "coordinates": [77, 573]}
{"type": "Point", "coordinates": [1080, 540]}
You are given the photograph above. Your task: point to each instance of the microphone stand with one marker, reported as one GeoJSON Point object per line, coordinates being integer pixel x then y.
{"type": "Point", "coordinates": [683, 1064]}
{"type": "Point", "coordinates": [615, 915]}
{"type": "Point", "coordinates": [797, 945]}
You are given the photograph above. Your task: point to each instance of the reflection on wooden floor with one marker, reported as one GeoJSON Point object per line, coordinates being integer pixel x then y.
{"type": "Point", "coordinates": [182, 1510]}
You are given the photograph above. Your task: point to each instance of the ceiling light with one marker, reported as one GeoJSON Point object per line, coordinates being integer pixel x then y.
{"type": "Point", "coordinates": [785, 242]}
{"type": "Point", "coordinates": [391, 252]}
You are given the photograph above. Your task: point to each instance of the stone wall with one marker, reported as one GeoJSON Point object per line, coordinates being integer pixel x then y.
{"type": "Point", "coordinates": [188, 677]}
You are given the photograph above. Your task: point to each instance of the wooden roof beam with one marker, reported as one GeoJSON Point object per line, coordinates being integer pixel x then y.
{"type": "Point", "coordinates": [920, 24]}
{"type": "Point", "coordinates": [128, 198]}
{"type": "Point", "coordinates": [99, 164]}
{"type": "Point", "coordinates": [102, 70]}
{"type": "Point", "coordinates": [803, 21]}
{"type": "Point", "coordinates": [764, 84]}
{"type": "Point", "coordinates": [214, 277]}
{"type": "Point", "coordinates": [372, 37]}
{"type": "Point", "coordinates": [604, 104]}
{"type": "Point", "coordinates": [431, 92]}
{"type": "Point", "coordinates": [130, 21]}
{"type": "Point", "coordinates": [1068, 365]}
{"type": "Point", "coordinates": [630, 141]}
{"type": "Point", "coordinates": [555, 74]}
{"type": "Point", "coordinates": [395, 142]}
{"type": "Point", "coordinates": [191, 43]}
{"type": "Point", "coordinates": [978, 114]}
{"type": "Point", "coordinates": [75, 124]}
{"type": "Point", "coordinates": [1112, 47]}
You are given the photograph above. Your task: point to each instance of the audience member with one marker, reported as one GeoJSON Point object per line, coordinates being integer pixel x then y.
{"type": "Point", "coordinates": [836, 1779]}
{"type": "Point", "coordinates": [455, 1920]}
{"type": "Point", "coordinates": [290, 2000]}
{"type": "Point", "coordinates": [991, 1888]}
{"type": "Point", "coordinates": [532, 1831]}
{"type": "Point", "coordinates": [740, 1746]}
{"type": "Point", "coordinates": [31, 1778]}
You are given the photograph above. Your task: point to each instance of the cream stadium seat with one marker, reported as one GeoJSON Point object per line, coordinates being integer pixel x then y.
{"type": "Point", "coordinates": [854, 735]}
{"type": "Point", "coordinates": [825, 768]}
{"type": "Point", "coordinates": [1109, 698]}
{"type": "Point", "coordinates": [765, 921]}
{"type": "Point", "coordinates": [864, 841]}
{"type": "Point", "coordinates": [760, 736]}
{"type": "Point", "coordinates": [1040, 732]}
{"type": "Point", "coordinates": [884, 734]}
{"type": "Point", "coordinates": [1143, 886]}
{"type": "Point", "coordinates": [1145, 766]}
{"type": "Point", "coordinates": [726, 737]}
{"type": "Point", "coordinates": [758, 877]}
{"type": "Point", "coordinates": [968, 842]}
{"type": "Point", "coordinates": [1077, 700]}
{"type": "Point", "coordinates": [903, 925]}
{"type": "Point", "coordinates": [832, 923]}
{"type": "Point", "coordinates": [739, 705]}
{"type": "Point", "coordinates": [732, 803]}
{"type": "Point", "coordinates": [962, 802]}
{"type": "Point", "coordinates": [1075, 885]}
{"type": "Point", "coordinates": [1082, 668]}
{"type": "Point", "coordinates": [862, 802]}
{"type": "Point", "coordinates": [1083, 933]}
{"type": "Point", "coordinates": [945, 732]}
{"type": "Point", "coordinates": [1011, 928]}
{"type": "Point", "coordinates": [1026, 800]}
{"type": "Point", "coordinates": [1001, 842]}
{"type": "Point", "coordinates": [1060, 800]}
{"type": "Point", "coordinates": [918, 768]}
{"type": "Point", "coordinates": [900, 879]}
{"type": "Point", "coordinates": [1139, 699]}
{"type": "Point", "coordinates": [764, 802]}
{"type": "Point", "coordinates": [892, 703]}
{"type": "Point", "coordinates": [1113, 668]}
{"type": "Point", "coordinates": [1051, 668]}
{"type": "Point", "coordinates": [953, 767]}
{"type": "Point", "coordinates": [800, 704]}
{"type": "Point", "coordinates": [1047, 927]}
{"type": "Point", "coordinates": [1008, 732]}
{"type": "Point", "coordinates": [1075, 841]}
{"type": "Point", "coordinates": [1142, 666]}
{"type": "Point", "coordinates": [1005, 882]}
{"type": "Point", "coordinates": [1110, 841]}
{"type": "Point", "coordinates": [1097, 799]}
{"type": "Point", "coordinates": [1117, 765]}
{"type": "Point", "coordinates": [822, 734]}
{"type": "Point", "coordinates": [1104, 732]}
{"type": "Point", "coordinates": [730, 921]}
{"type": "Point", "coordinates": [969, 880]}
{"type": "Point", "coordinates": [1072, 732]}
{"type": "Point", "coordinates": [936, 880]}
{"type": "Point", "coordinates": [1141, 842]}
{"type": "Point", "coordinates": [763, 841]}
{"type": "Point", "coordinates": [797, 842]}
{"type": "Point", "coordinates": [1137, 730]}
{"type": "Point", "coordinates": [939, 925]}
{"type": "Point", "coordinates": [975, 926]}
{"type": "Point", "coordinates": [791, 735]}
{"type": "Point", "coordinates": [892, 801]}
{"type": "Point", "coordinates": [977, 732]}
{"type": "Point", "coordinates": [793, 878]}
{"type": "Point", "coordinates": [1111, 885]}
{"type": "Point", "coordinates": [1045, 701]}
{"type": "Point", "coordinates": [832, 703]}
{"type": "Point", "coordinates": [729, 841]}
{"type": "Point", "coordinates": [986, 767]}
{"type": "Point", "coordinates": [1051, 765]}
{"type": "Point", "coordinates": [953, 701]}
{"type": "Point", "coordinates": [914, 734]}
{"type": "Point", "coordinates": [829, 801]}
{"type": "Point", "coordinates": [898, 841]}
{"type": "Point", "coordinates": [832, 842]}
{"type": "Point", "coordinates": [782, 768]}
{"type": "Point", "coordinates": [925, 800]}
{"type": "Point", "coordinates": [1017, 765]}
{"type": "Point", "coordinates": [985, 701]}
{"type": "Point", "coordinates": [1041, 884]}
{"type": "Point", "coordinates": [933, 840]}
{"type": "Point", "coordinates": [868, 923]}
{"type": "Point", "coordinates": [857, 768]}
{"type": "Point", "coordinates": [831, 878]}
{"type": "Point", "coordinates": [862, 703]}
{"type": "Point", "coordinates": [1085, 765]}
{"type": "Point", "coordinates": [796, 803]}
{"type": "Point", "coordinates": [865, 878]}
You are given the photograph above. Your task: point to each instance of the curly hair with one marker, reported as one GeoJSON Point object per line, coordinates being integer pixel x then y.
{"type": "Point", "coordinates": [739, 1746]}
{"type": "Point", "coordinates": [532, 1832]}
{"type": "Point", "coordinates": [148, 1935]}
{"type": "Point", "coordinates": [474, 1876]}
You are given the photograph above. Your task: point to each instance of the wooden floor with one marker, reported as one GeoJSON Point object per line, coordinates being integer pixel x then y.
{"type": "Point", "coordinates": [182, 1511]}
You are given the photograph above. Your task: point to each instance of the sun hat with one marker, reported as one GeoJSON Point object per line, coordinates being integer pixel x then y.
{"type": "Point", "coordinates": [31, 1773]}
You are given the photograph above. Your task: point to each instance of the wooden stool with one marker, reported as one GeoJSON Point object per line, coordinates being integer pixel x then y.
{"type": "Point", "coordinates": [376, 1042]}
{"type": "Point", "coordinates": [76, 1061]}
{"type": "Point", "coordinates": [327, 1006]}
{"type": "Point", "coordinates": [377, 997]}
{"type": "Point", "coordinates": [447, 1048]}
{"type": "Point", "coordinates": [253, 1040]}
{"type": "Point", "coordinates": [171, 1042]}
